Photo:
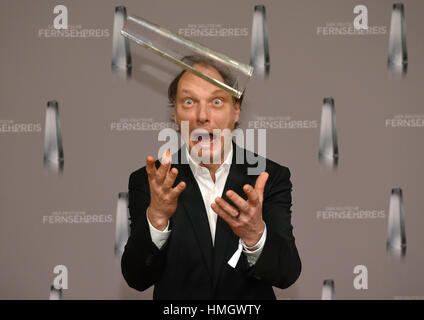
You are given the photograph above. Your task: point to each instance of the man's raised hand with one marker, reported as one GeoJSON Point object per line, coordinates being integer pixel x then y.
{"type": "Point", "coordinates": [163, 197]}
{"type": "Point", "coordinates": [246, 218]}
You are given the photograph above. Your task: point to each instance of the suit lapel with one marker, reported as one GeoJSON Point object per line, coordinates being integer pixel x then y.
{"type": "Point", "coordinates": [226, 242]}
{"type": "Point", "coordinates": [195, 209]}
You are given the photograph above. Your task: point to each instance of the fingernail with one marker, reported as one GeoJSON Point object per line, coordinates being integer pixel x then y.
{"type": "Point", "coordinates": [165, 158]}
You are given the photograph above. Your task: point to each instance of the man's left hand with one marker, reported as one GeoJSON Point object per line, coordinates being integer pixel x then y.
{"type": "Point", "coordinates": [245, 220]}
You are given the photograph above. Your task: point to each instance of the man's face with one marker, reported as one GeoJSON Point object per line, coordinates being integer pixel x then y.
{"type": "Point", "coordinates": [206, 107]}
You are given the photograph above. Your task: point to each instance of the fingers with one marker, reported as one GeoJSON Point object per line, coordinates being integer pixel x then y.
{"type": "Point", "coordinates": [252, 195]}
{"type": "Point", "coordinates": [164, 167]}
{"type": "Point", "coordinates": [225, 206]}
{"type": "Point", "coordinates": [178, 189]}
{"type": "Point", "coordinates": [260, 184]}
{"type": "Point", "coordinates": [150, 167]}
{"type": "Point", "coordinates": [229, 219]}
{"type": "Point", "coordinates": [170, 178]}
{"type": "Point", "coordinates": [241, 204]}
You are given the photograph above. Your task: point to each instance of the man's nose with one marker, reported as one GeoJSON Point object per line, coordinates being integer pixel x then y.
{"type": "Point", "coordinates": [202, 112]}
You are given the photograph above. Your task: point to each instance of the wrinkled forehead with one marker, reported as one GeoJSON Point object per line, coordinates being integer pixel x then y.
{"type": "Point", "coordinates": [191, 81]}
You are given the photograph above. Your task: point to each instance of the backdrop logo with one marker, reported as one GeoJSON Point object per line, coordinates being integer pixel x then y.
{"type": "Point", "coordinates": [359, 25]}
{"type": "Point", "coordinates": [349, 213]}
{"type": "Point", "coordinates": [76, 217]}
{"type": "Point", "coordinates": [9, 126]}
{"type": "Point", "coordinates": [212, 30]}
{"type": "Point", "coordinates": [281, 122]}
{"type": "Point", "coordinates": [405, 121]}
{"type": "Point", "coordinates": [61, 29]}
{"type": "Point", "coordinates": [140, 124]}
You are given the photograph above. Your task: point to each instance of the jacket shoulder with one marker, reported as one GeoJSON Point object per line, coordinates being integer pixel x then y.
{"type": "Point", "coordinates": [271, 166]}
{"type": "Point", "coordinates": [138, 176]}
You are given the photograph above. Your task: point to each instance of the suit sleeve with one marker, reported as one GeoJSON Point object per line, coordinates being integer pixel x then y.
{"type": "Point", "coordinates": [279, 263]}
{"type": "Point", "coordinates": [142, 262]}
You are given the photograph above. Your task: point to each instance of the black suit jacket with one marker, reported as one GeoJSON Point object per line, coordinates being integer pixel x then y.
{"type": "Point", "coordinates": [188, 266]}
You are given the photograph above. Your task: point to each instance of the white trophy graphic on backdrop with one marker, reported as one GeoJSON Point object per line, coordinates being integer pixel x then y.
{"type": "Point", "coordinates": [55, 294]}
{"type": "Point", "coordinates": [259, 50]}
{"type": "Point", "coordinates": [328, 146]}
{"type": "Point", "coordinates": [328, 290]}
{"type": "Point", "coordinates": [53, 149]}
{"type": "Point", "coordinates": [396, 235]}
{"type": "Point", "coordinates": [121, 54]}
{"type": "Point", "coordinates": [398, 56]}
{"type": "Point", "coordinates": [122, 228]}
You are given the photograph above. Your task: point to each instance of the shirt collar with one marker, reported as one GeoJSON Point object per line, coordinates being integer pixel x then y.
{"type": "Point", "coordinates": [196, 168]}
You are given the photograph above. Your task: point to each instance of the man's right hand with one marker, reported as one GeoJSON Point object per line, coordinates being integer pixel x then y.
{"type": "Point", "coordinates": [163, 198]}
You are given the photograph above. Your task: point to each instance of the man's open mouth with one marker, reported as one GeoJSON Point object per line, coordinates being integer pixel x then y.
{"type": "Point", "coordinates": [204, 137]}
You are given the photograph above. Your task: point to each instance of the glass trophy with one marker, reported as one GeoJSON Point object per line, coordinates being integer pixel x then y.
{"type": "Point", "coordinates": [328, 290]}
{"type": "Point", "coordinates": [53, 150]}
{"type": "Point", "coordinates": [259, 50]}
{"type": "Point", "coordinates": [328, 147]}
{"type": "Point", "coordinates": [121, 54]}
{"type": "Point", "coordinates": [175, 48]}
{"type": "Point", "coordinates": [122, 224]}
{"type": "Point", "coordinates": [396, 235]}
{"type": "Point", "coordinates": [55, 294]}
{"type": "Point", "coordinates": [398, 57]}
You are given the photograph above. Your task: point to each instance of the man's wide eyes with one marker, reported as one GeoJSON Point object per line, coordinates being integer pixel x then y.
{"type": "Point", "coordinates": [188, 102]}
{"type": "Point", "coordinates": [217, 102]}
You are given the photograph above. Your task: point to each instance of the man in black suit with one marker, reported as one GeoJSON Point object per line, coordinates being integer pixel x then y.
{"type": "Point", "coordinates": [207, 229]}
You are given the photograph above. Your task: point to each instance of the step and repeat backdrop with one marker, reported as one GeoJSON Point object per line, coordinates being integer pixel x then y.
{"type": "Point", "coordinates": [81, 108]}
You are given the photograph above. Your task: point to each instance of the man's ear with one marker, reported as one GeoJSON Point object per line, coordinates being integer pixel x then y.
{"type": "Point", "coordinates": [237, 111]}
{"type": "Point", "coordinates": [175, 114]}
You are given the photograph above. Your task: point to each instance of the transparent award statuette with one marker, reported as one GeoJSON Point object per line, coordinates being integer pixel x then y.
{"type": "Point", "coordinates": [53, 150]}
{"type": "Point", "coordinates": [396, 234]}
{"type": "Point", "coordinates": [121, 54]}
{"type": "Point", "coordinates": [122, 224]}
{"type": "Point", "coordinates": [55, 294]}
{"type": "Point", "coordinates": [328, 290]}
{"type": "Point", "coordinates": [259, 50]}
{"type": "Point", "coordinates": [328, 147]}
{"type": "Point", "coordinates": [174, 48]}
{"type": "Point", "coordinates": [398, 56]}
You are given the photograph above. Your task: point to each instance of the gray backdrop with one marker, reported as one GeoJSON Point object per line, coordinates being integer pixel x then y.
{"type": "Point", "coordinates": [306, 66]}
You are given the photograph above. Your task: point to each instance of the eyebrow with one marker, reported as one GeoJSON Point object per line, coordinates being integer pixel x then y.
{"type": "Point", "coordinates": [213, 93]}
{"type": "Point", "coordinates": [218, 91]}
{"type": "Point", "coordinates": [186, 91]}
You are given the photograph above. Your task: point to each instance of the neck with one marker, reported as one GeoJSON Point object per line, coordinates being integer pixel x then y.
{"type": "Point", "coordinates": [212, 168]}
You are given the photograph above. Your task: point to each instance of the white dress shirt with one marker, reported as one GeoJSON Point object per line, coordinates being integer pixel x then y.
{"type": "Point", "coordinates": [210, 190]}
